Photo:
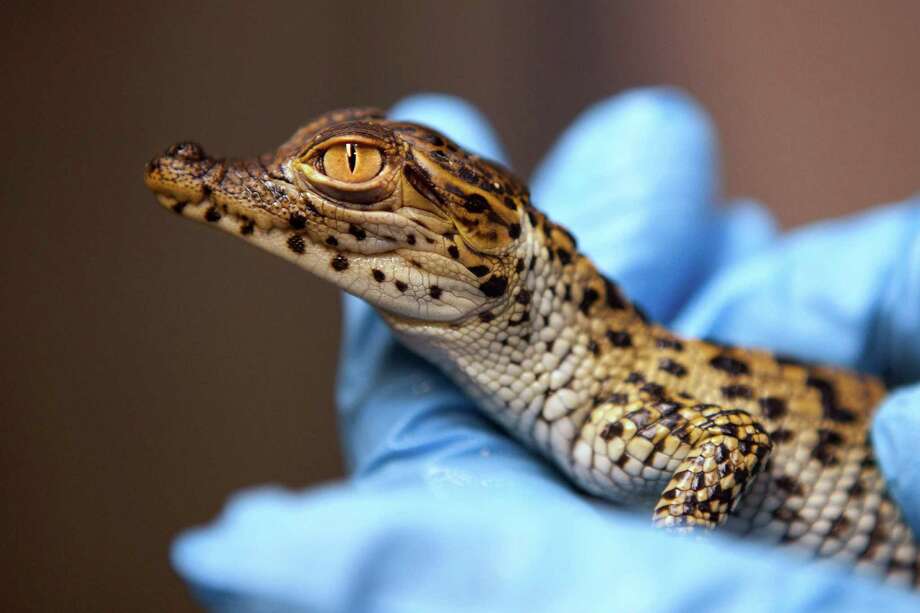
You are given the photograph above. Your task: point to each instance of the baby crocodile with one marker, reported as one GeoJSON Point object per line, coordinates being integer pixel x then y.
{"type": "Point", "coordinates": [449, 249]}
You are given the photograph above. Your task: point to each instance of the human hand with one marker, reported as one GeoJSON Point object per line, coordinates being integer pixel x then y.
{"type": "Point", "coordinates": [446, 513]}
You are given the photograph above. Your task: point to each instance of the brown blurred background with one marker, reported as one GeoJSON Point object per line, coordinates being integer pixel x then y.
{"type": "Point", "coordinates": [150, 368]}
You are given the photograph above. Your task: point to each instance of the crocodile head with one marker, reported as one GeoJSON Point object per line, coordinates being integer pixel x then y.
{"type": "Point", "coordinates": [392, 212]}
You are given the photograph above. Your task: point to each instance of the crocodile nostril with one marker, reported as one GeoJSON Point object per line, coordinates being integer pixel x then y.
{"type": "Point", "coordinates": [189, 151]}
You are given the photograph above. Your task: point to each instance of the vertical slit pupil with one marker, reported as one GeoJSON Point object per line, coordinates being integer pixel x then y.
{"type": "Point", "coordinates": [351, 152]}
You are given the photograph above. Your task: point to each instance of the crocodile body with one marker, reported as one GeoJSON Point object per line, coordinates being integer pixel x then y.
{"type": "Point", "coordinates": [449, 249]}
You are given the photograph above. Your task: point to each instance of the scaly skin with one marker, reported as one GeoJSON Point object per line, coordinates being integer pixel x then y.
{"type": "Point", "coordinates": [449, 249]}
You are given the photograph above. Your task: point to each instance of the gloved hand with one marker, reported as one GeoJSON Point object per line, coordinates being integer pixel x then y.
{"type": "Point", "coordinates": [446, 513]}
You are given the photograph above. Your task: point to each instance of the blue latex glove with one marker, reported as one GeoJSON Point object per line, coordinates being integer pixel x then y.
{"type": "Point", "coordinates": [446, 513]}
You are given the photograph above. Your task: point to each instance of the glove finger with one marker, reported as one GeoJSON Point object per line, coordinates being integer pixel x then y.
{"type": "Point", "coordinates": [399, 414]}
{"type": "Point", "coordinates": [894, 341]}
{"type": "Point", "coordinates": [895, 433]}
{"type": "Point", "coordinates": [635, 178]}
{"type": "Point", "coordinates": [745, 227]}
{"type": "Point", "coordinates": [383, 549]}
{"type": "Point", "coordinates": [844, 292]}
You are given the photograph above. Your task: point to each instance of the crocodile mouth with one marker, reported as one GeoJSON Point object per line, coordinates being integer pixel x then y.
{"type": "Point", "coordinates": [386, 260]}
{"type": "Point", "coordinates": [404, 259]}
{"type": "Point", "coordinates": [237, 218]}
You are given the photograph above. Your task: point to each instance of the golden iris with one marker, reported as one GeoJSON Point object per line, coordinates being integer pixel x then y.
{"type": "Point", "coordinates": [352, 162]}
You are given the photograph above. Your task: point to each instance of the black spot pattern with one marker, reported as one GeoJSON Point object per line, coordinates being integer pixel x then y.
{"type": "Point", "coordinates": [730, 365]}
{"type": "Point", "coordinates": [670, 366]}
{"type": "Point", "coordinates": [474, 203]}
{"type": "Point", "coordinates": [453, 251]}
{"type": "Point", "coordinates": [587, 299]}
{"type": "Point", "coordinates": [357, 232]}
{"type": "Point", "coordinates": [669, 343]}
{"type": "Point", "coordinates": [523, 297]}
{"type": "Point", "coordinates": [653, 389]}
{"type": "Point", "coordinates": [772, 407]}
{"type": "Point", "coordinates": [297, 220]}
{"type": "Point", "coordinates": [824, 454]}
{"type": "Point", "coordinates": [379, 277]}
{"type": "Point", "coordinates": [212, 214]}
{"type": "Point", "coordinates": [737, 391]}
{"type": "Point", "coordinates": [296, 243]}
{"type": "Point", "coordinates": [494, 287]}
{"type": "Point", "coordinates": [788, 485]}
{"type": "Point", "coordinates": [401, 286]}
{"type": "Point", "coordinates": [619, 338]}
{"type": "Point", "coordinates": [479, 271]}
{"type": "Point", "coordinates": [339, 263]}
{"type": "Point", "coordinates": [831, 409]}
{"type": "Point", "coordinates": [332, 241]}
{"type": "Point", "coordinates": [635, 377]}
{"type": "Point", "coordinates": [612, 431]}
{"type": "Point", "coordinates": [839, 526]}
{"type": "Point", "coordinates": [829, 437]}
{"type": "Point", "coordinates": [514, 230]}
{"type": "Point", "coordinates": [435, 292]}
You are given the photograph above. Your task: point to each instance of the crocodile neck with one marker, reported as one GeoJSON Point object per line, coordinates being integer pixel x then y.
{"type": "Point", "coordinates": [547, 350]}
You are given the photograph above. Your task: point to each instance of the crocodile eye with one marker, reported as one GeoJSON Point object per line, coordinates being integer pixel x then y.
{"type": "Point", "coordinates": [352, 162]}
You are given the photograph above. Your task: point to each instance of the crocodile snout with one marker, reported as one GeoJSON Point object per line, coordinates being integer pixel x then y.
{"type": "Point", "coordinates": [177, 175]}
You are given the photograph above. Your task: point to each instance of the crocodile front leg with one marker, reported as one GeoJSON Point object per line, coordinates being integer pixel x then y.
{"type": "Point", "coordinates": [731, 449]}
{"type": "Point", "coordinates": [707, 455]}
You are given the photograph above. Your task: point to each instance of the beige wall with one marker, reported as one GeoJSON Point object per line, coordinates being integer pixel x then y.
{"type": "Point", "coordinates": [150, 368]}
